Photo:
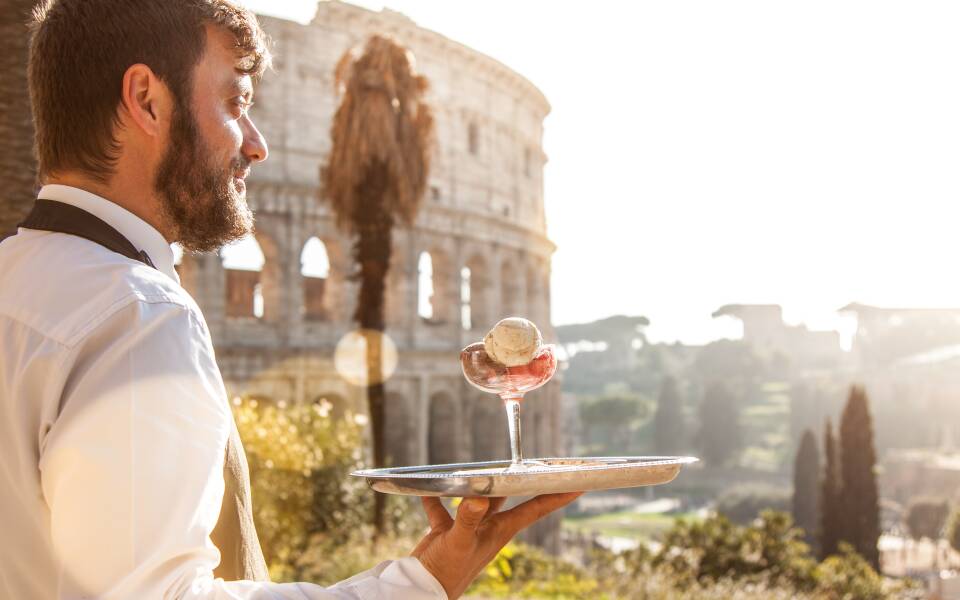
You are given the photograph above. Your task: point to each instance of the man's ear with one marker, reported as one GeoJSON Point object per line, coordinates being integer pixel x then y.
{"type": "Point", "coordinates": [144, 100]}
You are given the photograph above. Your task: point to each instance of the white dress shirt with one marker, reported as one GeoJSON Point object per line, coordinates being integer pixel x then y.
{"type": "Point", "coordinates": [113, 427]}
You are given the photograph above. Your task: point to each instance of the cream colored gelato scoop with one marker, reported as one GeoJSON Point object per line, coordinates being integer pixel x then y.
{"type": "Point", "coordinates": [513, 342]}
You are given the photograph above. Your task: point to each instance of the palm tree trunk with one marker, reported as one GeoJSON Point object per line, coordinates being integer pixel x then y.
{"type": "Point", "coordinates": [17, 165]}
{"type": "Point", "coordinates": [372, 251]}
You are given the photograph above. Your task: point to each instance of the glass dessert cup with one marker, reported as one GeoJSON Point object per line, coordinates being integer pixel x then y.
{"type": "Point", "coordinates": [510, 384]}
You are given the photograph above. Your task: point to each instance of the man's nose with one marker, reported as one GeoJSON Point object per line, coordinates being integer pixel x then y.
{"type": "Point", "coordinates": [254, 145]}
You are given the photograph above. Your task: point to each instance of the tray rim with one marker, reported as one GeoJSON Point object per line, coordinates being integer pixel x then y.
{"type": "Point", "coordinates": [608, 463]}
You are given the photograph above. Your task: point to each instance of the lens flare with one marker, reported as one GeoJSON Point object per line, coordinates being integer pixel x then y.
{"type": "Point", "coordinates": [350, 357]}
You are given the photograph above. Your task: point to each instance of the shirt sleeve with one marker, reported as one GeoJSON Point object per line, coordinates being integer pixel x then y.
{"type": "Point", "coordinates": [132, 472]}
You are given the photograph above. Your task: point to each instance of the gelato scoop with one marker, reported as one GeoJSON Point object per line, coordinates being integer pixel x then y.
{"type": "Point", "coordinates": [513, 342]}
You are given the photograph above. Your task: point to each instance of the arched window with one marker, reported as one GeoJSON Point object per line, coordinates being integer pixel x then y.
{"type": "Point", "coordinates": [465, 316]}
{"type": "Point", "coordinates": [400, 436]}
{"type": "Point", "coordinates": [315, 269]}
{"type": "Point", "coordinates": [243, 261]}
{"type": "Point", "coordinates": [490, 439]}
{"type": "Point", "coordinates": [478, 297]}
{"type": "Point", "coordinates": [535, 294]}
{"type": "Point", "coordinates": [473, 138]}
{"type": "Point", "coordinates": [442, 433]}
{"type": "Point", "coordinates": [425, 286]}
{"type": "Point", "coordinates": [509, 291]}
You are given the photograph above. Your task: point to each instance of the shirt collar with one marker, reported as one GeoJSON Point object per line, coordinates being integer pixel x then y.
{"type": "Point", "coordinates": [140, 233]}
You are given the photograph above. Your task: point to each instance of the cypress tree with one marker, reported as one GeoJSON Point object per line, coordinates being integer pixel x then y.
{"type": "Point", "coordinates": [719, 426]}
{"type": "Point", "coordinates": [831, 515]}
{"type": "Point", "coordinates": [668, 430]}
{"type": "Point", "coordinates": [806, 484]}
{"type": "Point", "coordinates": [858, 458]}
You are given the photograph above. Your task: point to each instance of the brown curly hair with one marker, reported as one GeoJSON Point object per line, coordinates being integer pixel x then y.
{"type": "Point", "coordinates": [80, 50]}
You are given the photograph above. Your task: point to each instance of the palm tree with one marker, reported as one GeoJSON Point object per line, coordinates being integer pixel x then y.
{"type": "Point", "coordinates": [17, 165]}
{"type": "Point", "coordinates": [375, 177]}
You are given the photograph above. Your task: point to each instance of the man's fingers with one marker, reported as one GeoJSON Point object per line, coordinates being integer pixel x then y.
{"type": "Point", "coordinates": [495, 505]}
{"type": "Point", "coordinates": [469, 516]}
{"type": "Point", "coordinates": [426, 541]}
{"type": "Point", "coordinates": [524, 515]}
{"type": "Point", "coordinates": [437, 514]}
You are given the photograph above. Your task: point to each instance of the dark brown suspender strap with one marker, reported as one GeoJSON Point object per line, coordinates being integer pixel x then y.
{"type": "Point", "coordinates": [50, 215]}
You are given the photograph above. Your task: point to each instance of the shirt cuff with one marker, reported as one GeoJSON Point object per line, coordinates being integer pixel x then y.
{"type": "Point", "coordinates": [405, 578]}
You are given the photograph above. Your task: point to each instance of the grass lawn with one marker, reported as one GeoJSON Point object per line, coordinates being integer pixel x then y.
{"type": "Point", "coordinates": [626, 524]}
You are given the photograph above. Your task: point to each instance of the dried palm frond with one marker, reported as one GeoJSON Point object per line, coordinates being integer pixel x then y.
{"type": "Point", "coordinates": [382, 130]}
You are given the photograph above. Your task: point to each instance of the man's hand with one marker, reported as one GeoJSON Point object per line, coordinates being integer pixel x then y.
{"type": "Point", "coordinates": [456, 551]}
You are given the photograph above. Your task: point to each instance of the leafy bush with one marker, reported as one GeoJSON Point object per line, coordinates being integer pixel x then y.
{"type": "Point", "coordinates": [849, 576]}
{"type": "Point", "coordinates": [716, 549]}
{"type": "Point", "coordinates": [521, 571]}
{"type": "Point", "coordinates": [328, 560]}
{"type": "Point", "coordinates": [303, 495]}
{"type": "Point", "coordinates": [710, 560]}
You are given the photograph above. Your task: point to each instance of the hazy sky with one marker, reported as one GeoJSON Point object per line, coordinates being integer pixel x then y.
{"type": "Point", "coordinates": [704, 153]}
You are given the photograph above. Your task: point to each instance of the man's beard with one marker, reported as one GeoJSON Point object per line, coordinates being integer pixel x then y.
{"type": "Point", "coordinates": [197, 200]}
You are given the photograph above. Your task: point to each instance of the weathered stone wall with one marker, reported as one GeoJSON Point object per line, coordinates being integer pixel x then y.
{"type": "Point", "coordinates": [484, 211]}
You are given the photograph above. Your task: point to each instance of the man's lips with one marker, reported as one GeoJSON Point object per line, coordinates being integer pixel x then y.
{"type": "Point", "coordinates": [239, 180]}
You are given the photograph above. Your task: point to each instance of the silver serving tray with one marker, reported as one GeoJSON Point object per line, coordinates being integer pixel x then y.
{"type": "Point", "coordinates": [493, 479]}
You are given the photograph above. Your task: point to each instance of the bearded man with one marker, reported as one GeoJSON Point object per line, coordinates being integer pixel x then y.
{"type": "Point", "coordinates": [120, 465]}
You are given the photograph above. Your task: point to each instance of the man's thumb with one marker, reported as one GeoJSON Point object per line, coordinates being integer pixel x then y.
{"type": "Point", "coordinates": [470, 513]}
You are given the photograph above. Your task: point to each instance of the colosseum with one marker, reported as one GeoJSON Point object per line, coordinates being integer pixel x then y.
{"type": "Point", "coordinates": [478, 251]}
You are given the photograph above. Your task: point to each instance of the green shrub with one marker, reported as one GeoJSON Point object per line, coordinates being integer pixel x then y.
{"type": "Point", "coordinates": [848, 576]}
{"type": "Point", "coordinates": [303, 495]}
{"type": "Point", "coordinates": [715, 549]}
{"type": "Point", "coordinates": [521, 571]}
{"type": "Point", "coordinates": [328, 560]}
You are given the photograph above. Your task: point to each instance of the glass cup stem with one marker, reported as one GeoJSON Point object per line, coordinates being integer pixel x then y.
{"type": "Point", "coordinates": [512, 404]}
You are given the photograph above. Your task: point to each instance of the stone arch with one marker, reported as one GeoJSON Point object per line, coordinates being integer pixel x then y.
{"type": "Point", "coordinates": [425, 286]}
{"type": "Point", "coordinates": [538, 435]}
{"type": "Point", "coordinates": [536, 294]}
{"type": "Point", "coordinates": [271, 279]}
{"type": "Point", "coordinates": [243, 263]}
{"type": "Point", "coordinates": [466, 316]}
{"type": "Point", "coordinates": [489, 429]}
{"type": "Point", "coordinates": [479, 300]}
{"type": "Point", "coordinates": [337, 299]}
{"type": "Point", "coordinates": [473, 138]}
{"type": "Point", "coordinates": [398, 430]}
{"type": "Point", "coordinates": [253, 281]}
{"type": "Point", "coordinates": [434, 282]}
{"type": "Point", "coordinates": [511, 290]}
{"type": "Point", "coordinates": [315, 273]}
{"type": "Point", "coordinates": [442, 429]}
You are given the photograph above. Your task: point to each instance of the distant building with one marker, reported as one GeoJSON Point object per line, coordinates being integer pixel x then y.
{"type": "Point", "coordinates": [765, 330]}
{"type": "Point", "coordinates": [885, 335]}
{"type": "Point", "coordinates": [909, 474]}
